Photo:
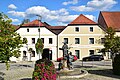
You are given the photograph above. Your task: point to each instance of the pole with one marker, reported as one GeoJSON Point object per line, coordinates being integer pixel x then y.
{"type": "Point", "coordinates": [39, 19]}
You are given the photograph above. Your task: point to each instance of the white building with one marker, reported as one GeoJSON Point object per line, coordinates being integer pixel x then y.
{"type": "Point", "coordinates": [31, 32]}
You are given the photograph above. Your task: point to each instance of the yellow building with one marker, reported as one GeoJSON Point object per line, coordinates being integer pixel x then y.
{"type": "Point", "coordinates": [83, 37]}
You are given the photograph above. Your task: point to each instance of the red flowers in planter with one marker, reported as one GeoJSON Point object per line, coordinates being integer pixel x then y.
{"type": "Point", "coordinates": [44, 70]}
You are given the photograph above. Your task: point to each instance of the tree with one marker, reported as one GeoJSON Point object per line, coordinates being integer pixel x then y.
{"type": "Point", "coordinates": [25, 21]}
{"type": "Point", "coordinates": [39, 47]}
{"type": "Point", "coordinates": [112, 42]}
{"type": "Point", "coordinates": [10, 41]}
{"type": "Point", "coordinates": [30, 51]}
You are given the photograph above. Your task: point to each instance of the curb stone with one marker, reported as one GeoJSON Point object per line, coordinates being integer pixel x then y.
{"type": "Point", "coordinates": [84, 73]}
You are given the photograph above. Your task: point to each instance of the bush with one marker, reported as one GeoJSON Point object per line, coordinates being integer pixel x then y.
{"type": "Point", "coordinates": [44, 70]}
{"type": "Point", "coordinates": [116, 65]}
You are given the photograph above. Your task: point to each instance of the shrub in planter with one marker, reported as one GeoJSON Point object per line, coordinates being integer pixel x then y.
{"type": "Point", "coordinates": [116, 65]}
{"type": "Point", "coordinates": [44, 70]}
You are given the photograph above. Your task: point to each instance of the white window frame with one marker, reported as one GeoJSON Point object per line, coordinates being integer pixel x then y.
{"type": "Point", "coordinates": [67, 40]}
{"type": "Point", "coordinates": [79, 40]}
{"type": "Point", "coordinates": [89, 51]}
{"type": "Point", "coordinates": [89, 40]}
{"type": "Point", "coordinates": [89, 29]}
{"type": "Point", "coordinates": [78, 29]}
{"type": "Point", "coordinates": [32, 40]}
{"type": "Point", "coordinates": [49, 40]}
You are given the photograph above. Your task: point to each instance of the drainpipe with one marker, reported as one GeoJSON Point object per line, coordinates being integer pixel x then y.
{"type": "Point", "coordinates": [57, 46]}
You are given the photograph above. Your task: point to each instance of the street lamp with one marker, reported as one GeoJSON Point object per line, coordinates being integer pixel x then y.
{"type": "Point", "coordinates": [39, 19]}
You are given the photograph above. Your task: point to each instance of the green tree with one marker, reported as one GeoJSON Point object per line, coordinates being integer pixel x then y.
{"type": "Point", "coordinates": [10, 41]}
{"type": "Point", "coordinates": [39, 47]}
{"type": "Point", "coordinates": [112, 42]}
{"type": "Point", "coordinates": [109, 39]}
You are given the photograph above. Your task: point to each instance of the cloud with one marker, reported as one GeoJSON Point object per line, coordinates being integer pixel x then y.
{"type": "Point", "coordinates": [17, 14]}
{"type": "Point", "coordinates": [95, 5]}
{"type": "Point", "coordinates": [60, 17]}
{"type": "Point", "coordinates": [12, 6]}
{"type": "Point", "coordinates": [14, 20]}
{"type": "Point", "coordinates": [82, 8]}
{"type": "Point", "coordinates": [91, 17]}
{"type": "Point", "coordinates": [70, 2]}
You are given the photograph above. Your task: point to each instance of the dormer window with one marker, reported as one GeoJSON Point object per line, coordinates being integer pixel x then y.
{"type": "Point", "coordinates": [77, 29]}
{"type": "Point", "coordinates": [27, 29]}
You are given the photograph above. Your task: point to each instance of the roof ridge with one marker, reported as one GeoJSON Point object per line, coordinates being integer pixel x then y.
{"type": "Point", "coordinates": [82, 19]}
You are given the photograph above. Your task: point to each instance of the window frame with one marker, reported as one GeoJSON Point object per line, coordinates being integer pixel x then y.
{"type": "Point", "coordinates": [66, 40]}
{"type": "Point", "coordinates": [28, 30]}
{"type": "Point", "coordinates": [33, 40]}
{"type": "Point", "coordinates": [77, 40]}
{"type": "Point", "coordinates": [91, 42]}
{"type": "Point", "coordinates": [102, 40]}
{"type": "Point", "coordinates": [33, 55]}
{"type": "Point", "coordinates": [90, 29]}
{"type": "Point", "coordinates": [50, 40]}
{"type": "Point", "coordinates": [77, 29]}
{"type": "Point", "coordinates": [92, 53]}
{"type": "Point", "coordinates": [42, 40]}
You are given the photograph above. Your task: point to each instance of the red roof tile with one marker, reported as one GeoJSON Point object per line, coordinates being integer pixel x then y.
{"type": "Point", "coordinates": [110, 19]}
{"type": "Point", "coordinates": [34, 23]}
{"type": "Point", "coordinates": [81, 19]}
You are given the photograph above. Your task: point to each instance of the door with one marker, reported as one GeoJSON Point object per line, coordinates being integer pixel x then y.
{"type": "Point", "coordinates": [47, 53]}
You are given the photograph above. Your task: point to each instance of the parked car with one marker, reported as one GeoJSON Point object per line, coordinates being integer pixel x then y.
{"type": "Point", "coordinates": [61, 58]}
{"type": "Point", "coordinates": [93, 58]}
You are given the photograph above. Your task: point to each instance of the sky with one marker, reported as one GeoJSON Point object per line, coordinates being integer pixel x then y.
{"type": "Point", "coordinates": [56, 12]}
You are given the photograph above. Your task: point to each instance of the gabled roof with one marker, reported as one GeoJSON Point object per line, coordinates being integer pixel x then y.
{"type": "Point", "coordinates": [110, 19]}
{"type": "Point", "coordinates": [56, 29]}
{"type": "Point", "coordinates": [81, 19]}
{"type": "Point", "coordinates": [35, 23]}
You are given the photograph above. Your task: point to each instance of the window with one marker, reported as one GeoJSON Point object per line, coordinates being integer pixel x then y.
{"type": "Point", "coordinates": [24, 53]}
{"type": "Point", "coordinates": [50, 40]}
{"type": "Point", "coordinates": [27, 30]}
{"type": "Point", "coordinates": [42, 40]}
{"type": "Point", "coordinates": [91, 40]}
{"type": "Point", "coordinates": [77, 41]}
{"type": "Point", "coordinates": [66, 40]}
{"type": "Point", "coordinates": [33, 54]}
{"type": "Point", "coordinates": [77, 29]}
{"type": "Point", "coordinates": [91, 29]}
{"type": "Point", "coordinates": [33, 40]}
{"type": "Point", "coordinates": [102, 40]}
{"type": "Point", "coordinates": [91, 52]}
{"type": "Point", "coordinates": [77, 52]}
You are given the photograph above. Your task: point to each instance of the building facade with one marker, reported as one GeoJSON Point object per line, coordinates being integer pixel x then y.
{"type": "Point", "coordinates": [83, 36]}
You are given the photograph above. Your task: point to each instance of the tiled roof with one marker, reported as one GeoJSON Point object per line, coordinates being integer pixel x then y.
{"type": "Point", "coordinates": [34, 23]}
{"type": "Point", "coordinates": [56, 29]}
{"type": "Point", "coordinates": [81, 19]}
{"type": "Point", "coordinates": [110, 19]}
